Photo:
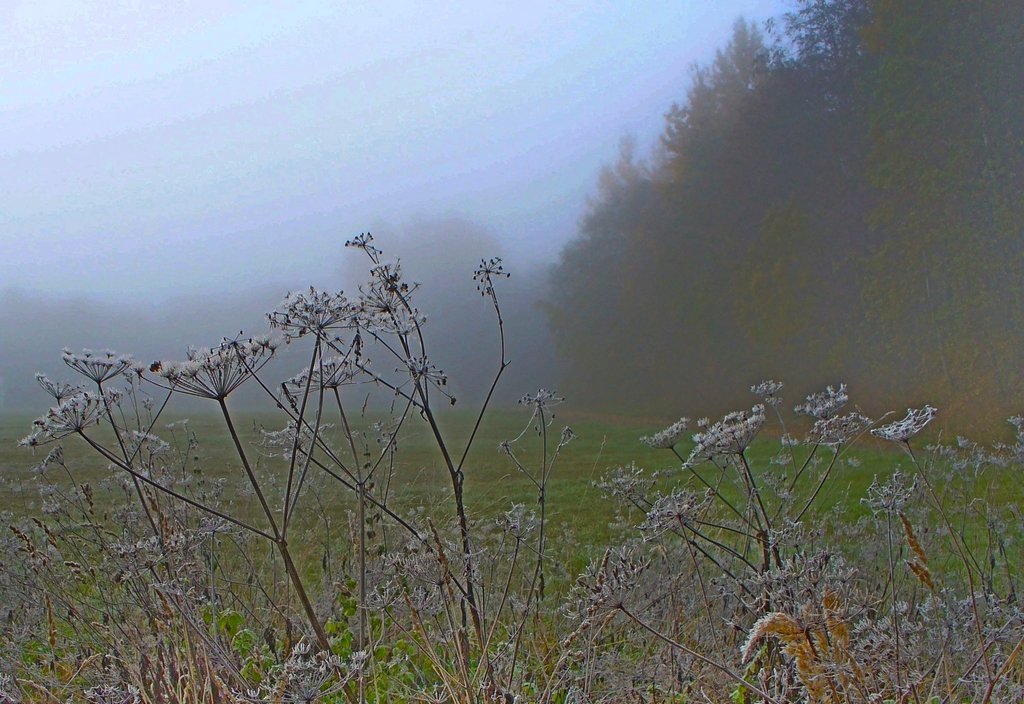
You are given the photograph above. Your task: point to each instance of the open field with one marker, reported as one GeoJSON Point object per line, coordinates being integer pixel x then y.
{"type": "Point", "coordinates": [648, 570]}
{"type": "Point", "coordinates": [576, 508]}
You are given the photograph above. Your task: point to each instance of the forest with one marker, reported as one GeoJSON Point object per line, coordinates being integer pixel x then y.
{"type": "Point", "coordinates": [837, 196]}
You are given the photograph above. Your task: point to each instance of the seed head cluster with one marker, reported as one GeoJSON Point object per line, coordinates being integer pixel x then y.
{"type": "Point", "coordinates": [666, 439]}
{"type": "Point", "coordinates": [824, 404]}
{"type": "Point", "coordinates": [729, 436]}
{"type": "Point", "coordinates": [74, 415]}
{"type": "Point", "coordinates": [214, 372]}
{"type": "Point", "coordinates": [312, 312]}
{"type": "Point", "coordinates": [907, 427]}
{"type": "Point", "coordinates": [98, 366]}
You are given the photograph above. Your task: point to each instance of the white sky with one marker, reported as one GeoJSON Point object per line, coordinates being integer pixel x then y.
{"type": "Point", "coordinates": [149, 149]}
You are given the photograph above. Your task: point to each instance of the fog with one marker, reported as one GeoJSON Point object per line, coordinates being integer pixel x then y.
{"type": "Point", "coordinates": [169, 172]}
{"type": "Point", "coordinates": [439, 256]}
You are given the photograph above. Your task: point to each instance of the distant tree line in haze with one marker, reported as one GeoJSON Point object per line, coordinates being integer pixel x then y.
{"type": "Point", "coordinates": [840, 197]}
{"type": "Point", "coordinates": [438, 254]}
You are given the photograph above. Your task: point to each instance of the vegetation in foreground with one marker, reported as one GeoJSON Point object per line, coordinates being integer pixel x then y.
{"type": "Point", "coordinates": [724, 575]}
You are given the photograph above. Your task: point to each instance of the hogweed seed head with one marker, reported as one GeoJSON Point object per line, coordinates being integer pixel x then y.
{"type": "Point", "coordinates": [151, 444]}
{"type": "Point", "coordinates": [59, 390]}
{"type": "Point", "coordinates": [666, 439]}
{"type": "Point", "coordinates": [97, 366]}
{"type": "Point", "coordinates": [331, 373]}
{"type": "Point", "coordinates": [385, 305]}
{"type": "Point", "coordinates": [364, 241]}
{"type": "Point", "coordinates": [422, 369]}
{"type": "Point", "coordinates": [824, 404]}
{"type": "Point", "coordinates": [308, 677]}
{"type": "Point", "coordinates": [768, 390]}
{"type": "Point", "coordinates": [673, 511]}
{"type": "Point", "coordinates": [517, 521]}
{"type": "Point", "coordinates": [281, 443]}
{"type": "Point", "coordinates": [113, 694]}
{"type": "Point", "coordinates": [891, 496]}
{"type": "Point", "coordinates": [606, 585]}
{"type": "Point", "coordinates": [485, 274]}
{"type": "Point", "coordinates": [629, 483]}
{"type": "Point", "coordinates": [542, 400]}
{"type": "Point", "coordinates": [214, 372]}
{"type": "Point", "coordinates": [72, 416]}
{"type": "Point", "coordinates": [54, 457]}
{"type": "Point", "coordinates": [836, 430]}
{"type": "Point", "coordinates": [312, 312]}
{"type": "Point", "coordinates": [729, 436]}
{"type": "Point", "coordinates": [909, 426]}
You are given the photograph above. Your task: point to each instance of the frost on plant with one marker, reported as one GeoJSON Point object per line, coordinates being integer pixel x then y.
{"type": "Point", "coordinates": [909, 426]}
{"type": "Point", "coordinates": [98, 366]}
{"type": "Point", "coordinates": [769, 391]}
{"type": "Point", "coordinates": [74, 415]}
{"type": "Point", "coordinates": [729, 436]}
{"type": "Point", "coordinates": [838, 430]}
{"type": "Point", "coordinates": [214, 372]}
{"type": "Point", "coordinates": [667, 438]}
{"type": "Point", "coordinates": [824, 404]}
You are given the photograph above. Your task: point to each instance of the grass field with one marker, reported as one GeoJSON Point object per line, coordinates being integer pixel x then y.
{"type": "Point", "coordinates": [231, 581]}
{"type": "Point", "coordinates": [492, 481]}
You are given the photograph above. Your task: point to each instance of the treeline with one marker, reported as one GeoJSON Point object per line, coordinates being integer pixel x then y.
{"type": "Point", "coordinates": [439, 254]}
{"type": "Point", "coordinates": [839, 198]}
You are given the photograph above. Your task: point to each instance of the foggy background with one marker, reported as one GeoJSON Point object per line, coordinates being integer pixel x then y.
{"type": "Point", "coordinates": [691, 196]}
{"type": "Point", "coordinates": [168, 173]}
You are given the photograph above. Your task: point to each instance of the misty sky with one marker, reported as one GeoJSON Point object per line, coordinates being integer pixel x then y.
{"type": "Point", "coordinates": [151, 149]}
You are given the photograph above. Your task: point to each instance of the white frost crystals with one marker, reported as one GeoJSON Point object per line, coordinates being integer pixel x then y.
{"type": "Point", "coordinates": [673, 511]}
{"type": "Point", "coordinates": [71, 416]}
{"type": "Point", "coordinates": [59, 390]}
{"type": "Point", "coordinates": [666, 439]}
{"type": "Point", "coordinates": [729, 436]}
{"type": "Point", "coordinates": [541, 401]}
{"type": "Point", "coordinates": [215, 372]}
{"type": "Point", "coordinates": [824, 404]}
{"type": "Point", "coordinates": [906, 428]}
{"type": "Point", "coordinates": [837, 430]}
{"type": "Point", "coordinates": [98, 366]}
{"type": "Point", "coordinates": [769, 391]}
{"type": "Point", "coordinates": [308, 676]}
{"type": "Point", "coordinates": [330, 373]}
{"type": "Point", "coordinates": [312, 312]}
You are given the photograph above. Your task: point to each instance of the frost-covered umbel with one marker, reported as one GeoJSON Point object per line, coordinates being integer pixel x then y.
{"type": "Point", "coordinates": [214, 372]}
{"type": "Point", "coordinates": [666, 439]}
{"type": "Point", "coordinates": [892, 495]}
{"type": "Point", "coordinates": [72, 416]}
{"type": "Point", "coordinates": [330, 373]}
{"type": "Point", "coordinates": [824, 404]}
{"type": "Point", "coordinates": [60, 390]}
{"type": "Point", "coordinates": [673, 511]}
{"type": "Point", "coordinates": [769, 391]}
{"type": "Point", "coordinates": [313, 312]}
{"type": "Point", "coordinates": [98, 366]}
{"type": "Point", "coordinates": [113, 694]}
{"type": "Point", "coordinates": [729, 436]}
{"type": "Point", "coordinates": [308, 676]}
{"type": "Point", "coordinates": [906, 428]}
{"type": "Point", "coordinates": [838, 429]}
